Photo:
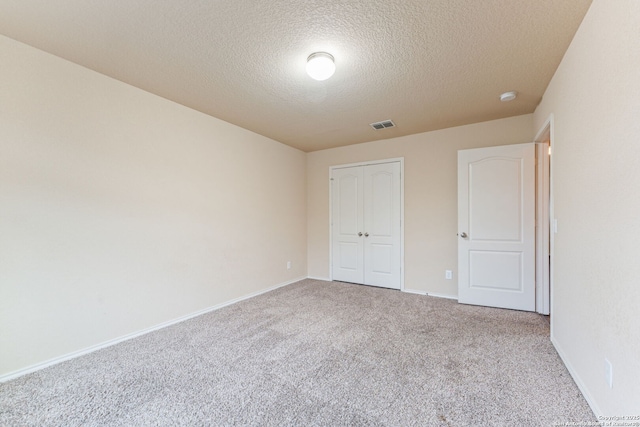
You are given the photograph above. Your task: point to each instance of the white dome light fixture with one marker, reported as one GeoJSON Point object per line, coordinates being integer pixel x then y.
{"type": "Point", "coordinates": [508, 96]}
{"type": "Point", "coordinates": [320, 66]}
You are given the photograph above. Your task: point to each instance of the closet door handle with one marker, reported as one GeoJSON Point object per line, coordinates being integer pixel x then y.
{"type": "Point", "coordinates": [359, 233]}
{"type": "Point", "coordinates": [366, 234]}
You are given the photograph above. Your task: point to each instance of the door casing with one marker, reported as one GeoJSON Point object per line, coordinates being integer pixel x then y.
{"type": "Point", "coordinates": [546, 136]}
{"type": "Point", "coordinates": [542, 227]}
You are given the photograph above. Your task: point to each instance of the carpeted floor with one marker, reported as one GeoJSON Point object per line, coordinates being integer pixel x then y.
{"type": "Point", "coordinates": [315, 354]}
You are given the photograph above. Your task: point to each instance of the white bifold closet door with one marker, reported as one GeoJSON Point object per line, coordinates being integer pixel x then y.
{"type": "Point", "coordinates": [365, 224]}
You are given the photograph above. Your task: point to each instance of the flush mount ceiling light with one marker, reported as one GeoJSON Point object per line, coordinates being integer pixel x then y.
{"type": "Point", "coordinates": [320, 66]}
{"type": "Point", "coordinates": [508, 96]}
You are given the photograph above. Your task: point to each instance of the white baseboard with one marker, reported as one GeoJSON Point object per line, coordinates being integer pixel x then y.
{"type": "Point", "coordinates": [324, 279]}
{"type": "Point", "coordinates": [414, 291]}
{"type": "Point", "coordinates": [576, 378]}
{"type": "Point", "coordinates": [38, 366]}
{"type": "Point", "coordinates": [443, 296]}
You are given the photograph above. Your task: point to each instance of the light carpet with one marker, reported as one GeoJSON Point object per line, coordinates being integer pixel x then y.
{"type": "Point", "coordinates": [315, 354]}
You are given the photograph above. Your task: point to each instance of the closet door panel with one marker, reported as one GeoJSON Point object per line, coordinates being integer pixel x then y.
{"type": "Point", "coordinates": [382, 225]}
{"type": "Point", "coordinates": [347, 222]}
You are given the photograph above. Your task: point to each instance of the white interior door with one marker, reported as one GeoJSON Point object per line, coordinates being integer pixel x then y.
{"type": "Point", "coordinates": [347, 218]}
{"type": "Point", "coordinates": [366, 224]}
{"type": "Point", "coordinates": [496, 226]}
{"type": "Point", "coordinates": [382, 225]}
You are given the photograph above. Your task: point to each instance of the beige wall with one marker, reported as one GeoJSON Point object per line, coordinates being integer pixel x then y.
{"type": "Point", "coordinates": [430, 201]}
{"type": "Point", "coordinates": [595, 99]}
{"type": "Point", "coordinates": [120, 210]}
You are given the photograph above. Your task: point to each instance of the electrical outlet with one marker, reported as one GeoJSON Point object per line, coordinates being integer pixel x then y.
{"type": "Point", "coordinates": [608, 373]}
{"type": "Point", "coordinates": [448, 274]}
{"type": "Point", "coordinates": [288, 265]}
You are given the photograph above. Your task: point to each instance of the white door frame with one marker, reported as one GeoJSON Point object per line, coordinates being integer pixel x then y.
{"type": "Point", "coordinates": [374, 162]}
{"type": "Point", "coordinates": [542, 227]}
{"type": "Point", "coordinates": [544, 135]}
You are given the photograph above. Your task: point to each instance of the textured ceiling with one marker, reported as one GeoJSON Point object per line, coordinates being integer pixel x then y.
{"type": "Point", "coordinates": [425, 64]}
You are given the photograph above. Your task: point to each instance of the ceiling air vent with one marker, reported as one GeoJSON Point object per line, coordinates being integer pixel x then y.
{"type": "Point", "coordinates": [383, 125]}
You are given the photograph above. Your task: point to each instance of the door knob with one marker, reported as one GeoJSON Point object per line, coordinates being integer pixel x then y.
{"type": "Point", "coordinates": [463, 235]}
{"type": "Point", "coordinates": [366, 234]}
{"type": "Point", "coordinates": [359, 233]}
